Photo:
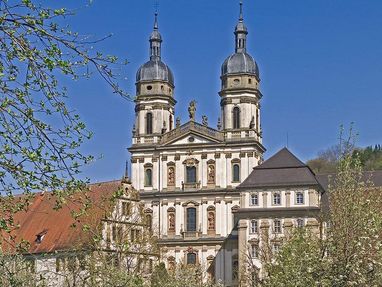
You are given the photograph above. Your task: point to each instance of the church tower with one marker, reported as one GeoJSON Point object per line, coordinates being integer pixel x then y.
{"type": "Point", "coordinates": [154, 104]}
{"type": "Point", "coordinates": [240, 94]}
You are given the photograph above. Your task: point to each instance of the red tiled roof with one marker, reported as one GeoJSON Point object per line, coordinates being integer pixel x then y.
{"type": "Point", "coordinates": [58, 229]}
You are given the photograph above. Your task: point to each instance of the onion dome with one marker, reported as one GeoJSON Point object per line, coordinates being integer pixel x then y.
{"type": "Point", "coordinates": [240, 62]}
{"type": "Point", "coordinates": [155, 69]}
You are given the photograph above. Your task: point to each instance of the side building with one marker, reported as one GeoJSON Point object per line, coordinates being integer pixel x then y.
{"type": "Point", "coordinates": [84, 239]}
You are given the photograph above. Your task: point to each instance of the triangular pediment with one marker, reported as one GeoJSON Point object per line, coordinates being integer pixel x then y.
{"type": "Point", "coordinates": [192, 133]}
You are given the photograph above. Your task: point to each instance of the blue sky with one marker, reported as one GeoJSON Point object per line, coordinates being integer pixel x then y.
{"type": "Point", "coordinates": [320, 65]}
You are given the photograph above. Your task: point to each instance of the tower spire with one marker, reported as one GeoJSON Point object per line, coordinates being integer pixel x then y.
{"type": "Point", "coordinates": [241, 11]}
{"type": "Point", "coordinates": [155, 41]}
{"type": "Point", "coordinates": [241, 33]}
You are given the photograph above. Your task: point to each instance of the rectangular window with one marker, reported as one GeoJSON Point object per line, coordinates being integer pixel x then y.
{"type": "Point", "coordinates": [253, 226]}
{"type": "Point", "coordinates": [191, 174]}
{"type": "Point", "coordinates": [254, 199]}
{"type": "Point", "coordinates": [299, 198]}
{"type": "Point", "coordinates": [277, 226]}
{"type": "Point", "coordinates": [276, 198]}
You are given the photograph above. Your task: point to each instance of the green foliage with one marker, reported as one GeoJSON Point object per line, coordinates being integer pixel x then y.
{"type": "Point", "coordinates": [40, 136]}
{"type": "Point", "coordinates": [350, 251]}
{"type": "Point", "coordinates": [181, 276]}
{"type": "Point", "coordinates": [327, 161]}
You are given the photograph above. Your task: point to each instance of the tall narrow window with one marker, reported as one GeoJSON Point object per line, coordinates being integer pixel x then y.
{"type": "Point", "coordinates": [191, 174]}
{"type": "Point", "coordinates": [236, 118]}
{"type": "Point", "coordinates": [148, 177]}
{"type": "Point", "coordinates": [257, 120]}
{"type": "Point", "coordinates": [191, 219]}
{"type": "Point", "coordinates": [236, 173]}
{"type": "Point", "coordinates": [277, 226]}
{"type": "Point", "coordinates": [191, 258]}
{"type": "Point", "coordinates": [149, 123]}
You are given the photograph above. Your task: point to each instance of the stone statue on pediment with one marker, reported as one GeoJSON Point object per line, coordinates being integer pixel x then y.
{"type": "Point", "coordinates": [192, 110]}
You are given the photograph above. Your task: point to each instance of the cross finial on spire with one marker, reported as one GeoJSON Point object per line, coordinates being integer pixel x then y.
{"type": "Point", "coordinates": [241, 11]}
{"type": "Point", "coordinates": [156, 21]}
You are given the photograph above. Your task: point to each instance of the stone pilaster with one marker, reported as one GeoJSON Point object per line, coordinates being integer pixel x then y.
{"type": "Point", "coordinates": [242, 245]}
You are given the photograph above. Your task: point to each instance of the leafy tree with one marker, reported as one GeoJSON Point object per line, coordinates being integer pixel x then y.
{"type": "Point", "coordinates": [350, 251]}
{"type": "Point", "coordinates": [298, 263]}
{"type": "Point", "coordinates": [181, 276]}
{"type": "Point", "coordinates": [40, 135]}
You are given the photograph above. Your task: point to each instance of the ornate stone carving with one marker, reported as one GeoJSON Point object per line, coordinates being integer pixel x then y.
{"type": "Point", "coordinates": [219, 125]}
{"type": "Point", "coordinates": [171, 221]}
{"type": "Point", "coordinates": [211, 173]}
{"type": "Point", "coordinates": [205, 120]}
{"type": "Point", "coordinates": [171, 175]}
{"type": "Point", "coordinates": [211, 220]}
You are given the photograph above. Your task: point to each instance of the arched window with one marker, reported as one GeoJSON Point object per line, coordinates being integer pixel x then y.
{"type": "Point", "coordinates": [191, 258]}
{"type": "Point", "coordinates": [299, 198]}
{"type": "Point", "coordinates": [149, 123]}
{"type": "Point", "coordinates": [191, 174]}
{"type": "Point", "coordinates": [191, 219]}
{"type": "Point", "coordinates": [236, 172]}
{"type": "Point", "coordinates": [236, 118]}
{"type": "Point", "coordinates": [148, 177]}
{"type": "Point", "coordinates": [254, 200]}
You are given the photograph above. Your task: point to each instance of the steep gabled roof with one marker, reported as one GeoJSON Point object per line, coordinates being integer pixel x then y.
{"type": "Point", "coordinates": [282, 159]}
{"type": "Point", "coordinates": [282, 169]}
{"type": "Point", "coordinates": [49, 230]}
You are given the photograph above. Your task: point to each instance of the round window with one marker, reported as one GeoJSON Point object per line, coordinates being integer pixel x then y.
{"type": "Point", "coordinates": [149, 88]}
{"type": "Point", "coordinates": [191, 139]}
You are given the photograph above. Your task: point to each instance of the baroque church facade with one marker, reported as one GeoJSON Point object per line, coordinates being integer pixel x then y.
{"type": "Point", "coordinates": [190, 175]}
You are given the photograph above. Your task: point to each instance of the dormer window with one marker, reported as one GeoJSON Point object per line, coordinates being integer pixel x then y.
{"type": "Point", "coordinates": [40, 236]}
